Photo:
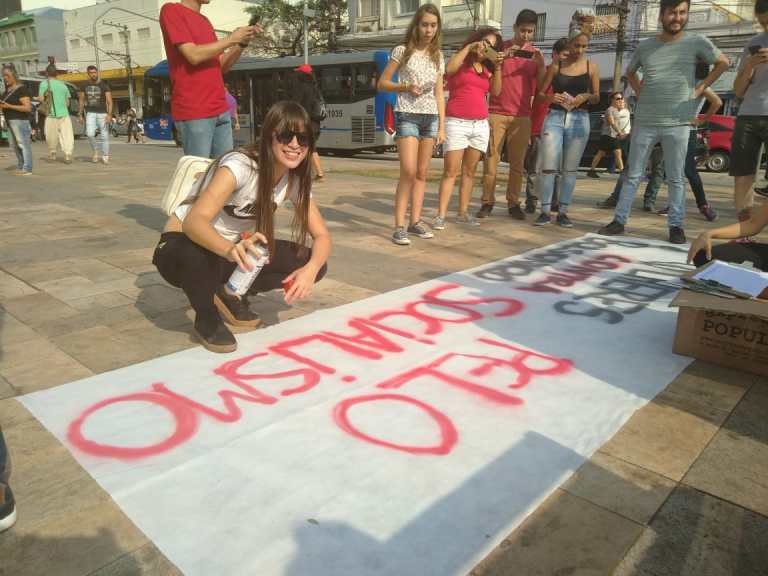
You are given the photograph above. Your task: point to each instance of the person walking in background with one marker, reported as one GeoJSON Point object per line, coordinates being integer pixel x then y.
{"type": "Point", "coordinates": [510, 114]}
{"type": "Point", "coordinates": [419, 114]}
{"type": "Point", "coordinates": [667, 102]}
{"type": "Point", "coordinates": [16, 104]}
{"type": "Point", "coordinates": [751, 129]}
{"type": "Point", "coordinates": [575, 85]}
{"type": "Point", "coordinates": [58, 125]}
{"type": "Point", "coordinates": [234, 115]}
{"type": "Point", "coordinates": [469, 74]}
{"type": "Point", "coordinates": [616, 128]}
{"type": "Point", "coordinates": [538, 115]}
{"type": "Point", "coordinates": [95, 109]}
{"type": "Point", "coordinates": [197, 60]}
{"type": "Point", "coordinates": [691, 169]}
{"type": "Point", "coordinates": [134, 132]}
{"type": "Point", "coordinates": [307, 93]}
{"type": "Point", "coordinates": [7, 502]}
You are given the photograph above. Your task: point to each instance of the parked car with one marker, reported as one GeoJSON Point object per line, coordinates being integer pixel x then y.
{"type": "Point", "coordinates": [719, 134]}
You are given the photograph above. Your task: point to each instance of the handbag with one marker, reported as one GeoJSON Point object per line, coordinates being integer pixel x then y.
{"type": "Point", "coordinates": [185, 182]}
{"type": "Point", "coordinates": [47, 105]}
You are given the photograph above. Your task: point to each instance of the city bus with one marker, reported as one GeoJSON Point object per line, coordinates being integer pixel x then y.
{"type": "Point", "coordinates": [359, 117]}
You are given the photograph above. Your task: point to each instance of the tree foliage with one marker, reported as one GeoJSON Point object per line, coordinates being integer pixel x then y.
{"type": "Point", "coordinates": [284, 26]}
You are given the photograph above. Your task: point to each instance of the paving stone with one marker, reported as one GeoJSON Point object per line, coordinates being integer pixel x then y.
{"type": "Point", "coordinates": [6, 390]}
{"type": "Point", "coordinates": [91, 268]}
{"type": "Point", "coordinates": [12, 330]}
{"type": "Point", "coordinates": [99, 301]}
{"type": "Point", "coordinates": [37, 309]}
{"type": "Point", "coordinates": [620, 487]}
{"type": "Point", "coordinates": [157, 298]}
{"type": "Point", "coordinates": [566, 535]}
{"type": "Point", "coordinates": [662, 439]}
{"type": "Point", "coordinates": [38, 364]}
{"type": "Point", "coordinates": [734, 466]}
{"type": "Point", "coordinates": [13, 413]}
{"type": "Point", "coordinates": [134, 261]}
{"type": "Point", "coordinates": [695, 534]}
{"type": "Point", "coordinates": [12, 287]}
{"type": "Point", "coordinates": [90, 319]}
{"type": "Point", "coordinates": [147, 560]}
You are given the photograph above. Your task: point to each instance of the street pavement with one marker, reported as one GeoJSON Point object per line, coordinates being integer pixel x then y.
{"type": "Point", "coordinates": [679, 490]}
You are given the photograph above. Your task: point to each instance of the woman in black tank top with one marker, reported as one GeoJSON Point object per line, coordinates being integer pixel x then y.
{"type": "Point", "coordinates": [570, 87]}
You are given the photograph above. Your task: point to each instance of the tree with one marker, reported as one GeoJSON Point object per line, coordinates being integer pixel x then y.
{"type": "Point", "coordinates": [283, 24]}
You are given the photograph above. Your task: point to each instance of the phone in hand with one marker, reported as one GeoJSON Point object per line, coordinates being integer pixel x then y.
{"type": "Point", "coordinates": [522, 54]}
{"type": "Point", "coordinates": [255, 19]}
{"type": "Point", "coordinates": [754, 50]}
{"type": "Point", "coordinates": [490, 54]}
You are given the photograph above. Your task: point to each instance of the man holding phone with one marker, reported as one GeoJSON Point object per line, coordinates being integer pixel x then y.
{"type": "Point", "coordinates": [750, 133]}
{"type": "Point", "coordinates": [197, 61]}
{"type": "Point", "coordinates": [510, 113]}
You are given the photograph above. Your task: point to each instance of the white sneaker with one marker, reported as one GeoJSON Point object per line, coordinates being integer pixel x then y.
{"type": "Point", "coordinates": [400, 236]}
{"type": "Point", "coordinates": [95, 158]}
{"type": "Point", "coordinates": [105, 159]}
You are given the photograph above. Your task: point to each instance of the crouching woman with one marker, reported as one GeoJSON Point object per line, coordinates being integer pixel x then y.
{"type": "Point", "coordinates": [207, 238]}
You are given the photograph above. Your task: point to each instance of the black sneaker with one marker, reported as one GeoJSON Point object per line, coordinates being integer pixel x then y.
{"type": "Point", "coordinates": [648, 205]}
{"type": "Point", "coordinates": [609, 202]}
{"type": "Point", "coordinates": [485, 211]}
{"type": "Point", "coordinates": [7, 507]}
{"type": "Point", "coordinates": [530, 204]}
{"type": "Point", "coordinates": [516, 212]}
{"type": "Point", "coordinates": [563, 220]}
{"type": "Point", "coordinates": [613, 229]}
{"type": "Point", "coordinates": [214, 334]}
{"type": "Point", "coordinates": [593, 174]}
{"type": "Point", "coordinates": [664, 211]}
{"type": "Point", "coordinates": [236, 311]}
{"type": "Point", "coordinates": [762, 191]}
{"type": "Point", "coordinates": [542, 220]}
{"type": "Point", "coordinates": [677, 235]}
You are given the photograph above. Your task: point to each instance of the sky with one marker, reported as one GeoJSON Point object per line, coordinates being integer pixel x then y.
{"type": "Point", "coordinates": [63, 4]}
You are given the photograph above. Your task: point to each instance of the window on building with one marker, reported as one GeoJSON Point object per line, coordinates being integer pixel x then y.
{"type": "Point", "coordinates": [143, 33]}
{"type": "Point", "coordinates": [447, 3]}
{"type": "Point", "coordinates": [541, 28]}
{"type": "Point", "coordinates": [407, 6]}
{"type": "Point", "coordinates": [107, 40]}
{"type": "Point", "coordinates": [3, 40]}
{"type": "Point", "coordinates": [33, 35]}
{"type": "Point", "coordinates": [74, 43]}
{"type": "Point", "coordinates": [19, 38]}
{"type": "Point", "coordinates": [369, 8]}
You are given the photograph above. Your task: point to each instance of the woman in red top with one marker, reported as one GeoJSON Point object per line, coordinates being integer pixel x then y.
{"type": "Point", "coordinates": [470, 77]}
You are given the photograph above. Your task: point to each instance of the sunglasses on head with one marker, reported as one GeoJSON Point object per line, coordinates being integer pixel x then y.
{"type": "Point", "coordinates": [287, 136]}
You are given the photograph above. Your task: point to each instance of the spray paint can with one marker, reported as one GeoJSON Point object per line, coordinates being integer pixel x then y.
{"type": "Point", "coordinates": [241, 280]}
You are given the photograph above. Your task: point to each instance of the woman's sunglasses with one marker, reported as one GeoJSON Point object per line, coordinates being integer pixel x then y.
{"type": "Point", "coordinates": [618, 98]}
{"type": "Point", "coordinates": [286, 137]}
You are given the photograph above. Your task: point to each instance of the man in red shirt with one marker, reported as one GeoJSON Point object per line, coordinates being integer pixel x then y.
{"type": "Point", "coordinates": [510, 113]}
{"type": "Point", "coordinates": [197, 61]}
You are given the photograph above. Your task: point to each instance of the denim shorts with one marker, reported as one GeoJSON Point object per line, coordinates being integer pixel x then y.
{"type": "Point", "coordinates": [416, 125]}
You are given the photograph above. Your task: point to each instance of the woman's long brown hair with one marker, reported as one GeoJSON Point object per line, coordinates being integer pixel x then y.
{"type": "Point", "coordinates": [281, 116]}
{"type": "Point", "coordinates": [412, 36]}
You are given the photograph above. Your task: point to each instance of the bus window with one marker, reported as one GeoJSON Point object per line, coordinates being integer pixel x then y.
{"type": "Point", "coordinates": [154, 101]}
{"type": "Point", "coordinates": [336, 84]}
{"type": "Point", "coordinates": [366, 77]}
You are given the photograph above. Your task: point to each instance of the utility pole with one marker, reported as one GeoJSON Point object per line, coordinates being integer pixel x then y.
{"type": "Point", "coordinates": [621, 42]}
{"type": "Point", "coordinates": [128, 64]}
{"type": "Point", "coordinates": [308, 13]}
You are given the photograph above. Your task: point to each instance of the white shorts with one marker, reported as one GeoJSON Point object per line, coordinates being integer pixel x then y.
{"type": "Point", "coordinates": [461, 134]}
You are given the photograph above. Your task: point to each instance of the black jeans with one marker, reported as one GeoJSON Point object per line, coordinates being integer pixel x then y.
{"type": "Point", "coordinates": [737, 253]}
{"type": "Point", "coordinates": [5, 460]}
{"type": "Point", "coordinates": [199, 272]}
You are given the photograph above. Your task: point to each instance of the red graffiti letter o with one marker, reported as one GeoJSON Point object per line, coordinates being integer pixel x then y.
{"type": "Point", "coordinates": [448, 434]}
{"type": "Point", "coordinates": [185, 426]}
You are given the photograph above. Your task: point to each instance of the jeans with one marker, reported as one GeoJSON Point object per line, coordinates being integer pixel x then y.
{"type": "Point", "coordinates": [656, 176]}
{"type": "Point", "coordinates": [206, 137]}
{"type": "Point", "coordinates": [413, 125]}
{"type": "Point", "coordinates": [563, 139]}
{"type": "Point", "coordinates": [94, 121]}
{"type": "Point", "coordinates": [532, 169]}
{"type": "Point", "coordinates": [691, 173]}
{"type": "Point", "coordinates": [20, 140]}
{"type": "Point", "coordinates": [674, 143]}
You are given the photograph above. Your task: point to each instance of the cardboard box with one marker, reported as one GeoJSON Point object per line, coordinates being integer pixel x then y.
{"type": "Point", "coordinates": [729, 332]}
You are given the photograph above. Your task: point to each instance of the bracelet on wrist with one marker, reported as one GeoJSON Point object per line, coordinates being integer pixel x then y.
{"type": "Point", "coordinates": [243, 44]}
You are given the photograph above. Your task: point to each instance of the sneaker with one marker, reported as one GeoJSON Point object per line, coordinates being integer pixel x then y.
{"type": "Point", "coordinates": [438, 223]}
{"type": "Point", "coordinates": [52, 157]}
{"type": "Point", "coordinates": [95, 158]}
{"type": "Point", "coordinates": [67, 159]}
{"type": "Point", "coordinates": [22, 173]}
{"type": "Point", "coordinates": [420, 230]}
{"type": "Point", "coordinates": [677, 235]}
{"type": "Point", "coordinates": [235, 310]}
{"type": "Point", "coordinates": [613, 229]}
{"type": "Point", "coordinates": [542, 220]}
{"type": "Point", "coordinates": [7, 507]}
{"type": "Point", "coordinates": [648, 205]}
{"type": "Point", "coordinates": [485, 211]}
{"type": "Point", "coordinates": [516, 212]}
{"type": "Point", "coordinates": [564, 221]}
{"type": "Point", "coordinates": [609, 202]}
{"type": "Point", "coordinates": [664, 211]}
{"type": "Point", "coordinates": [762, 191]}
{"type": "Point", "coordinates": [708, 212]}
{"type": "Point", "coordinates": [105, 159]}
{"type": "Point", "coordinates": [530, 205]}
{"type": "Point", "coordinates": [466, 220]}
{"type": "Point", "coordinates": [593, 174]}
{"type": "Point", "coordinates": [400, 236]}
{"type": "Point", "coordinates": [214, 335]}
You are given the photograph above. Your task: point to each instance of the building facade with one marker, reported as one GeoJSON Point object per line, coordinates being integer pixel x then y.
{"type": "Point", "coordinates": [28, 40]}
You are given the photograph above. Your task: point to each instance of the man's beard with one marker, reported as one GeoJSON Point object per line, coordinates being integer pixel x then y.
{"type": "Point", "coordinates": [669, 30]}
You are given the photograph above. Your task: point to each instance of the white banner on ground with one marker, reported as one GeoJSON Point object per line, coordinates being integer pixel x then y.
{"type": "Point", "coordinates": [403, 434]}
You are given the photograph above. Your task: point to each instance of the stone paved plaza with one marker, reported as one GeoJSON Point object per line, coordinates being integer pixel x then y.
{"type": "Point", "coordinates": [681, 489]}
